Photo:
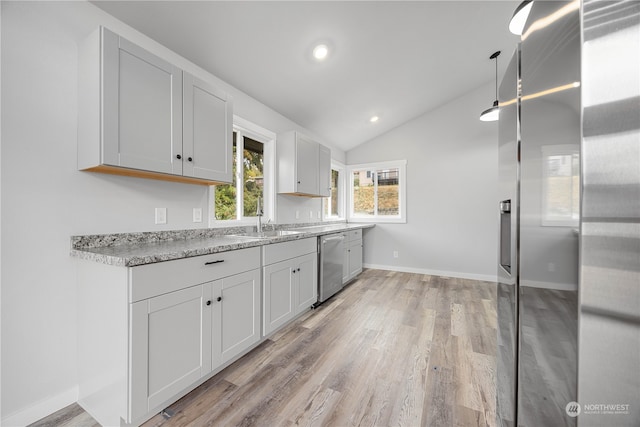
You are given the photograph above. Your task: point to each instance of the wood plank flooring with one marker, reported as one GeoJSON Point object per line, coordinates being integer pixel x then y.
{"type": "Point", "coordinates": [390, 349]}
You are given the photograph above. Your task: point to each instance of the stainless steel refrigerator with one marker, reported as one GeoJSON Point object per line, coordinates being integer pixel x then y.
{"type": "Point", "coordinates": [569, 212]}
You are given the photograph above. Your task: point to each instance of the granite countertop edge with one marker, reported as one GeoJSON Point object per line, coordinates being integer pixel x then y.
{"type": "Point", "coordinates": [156, 250]}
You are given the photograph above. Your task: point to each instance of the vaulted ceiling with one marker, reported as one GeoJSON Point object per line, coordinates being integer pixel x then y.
{"type": "Point", "coordinates": [393, 59]}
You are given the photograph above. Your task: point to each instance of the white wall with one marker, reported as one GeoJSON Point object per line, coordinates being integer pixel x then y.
{"type": "Point", "coordinates": [45, 199]}
{"type": "Point", "coordinates": [452, 178]}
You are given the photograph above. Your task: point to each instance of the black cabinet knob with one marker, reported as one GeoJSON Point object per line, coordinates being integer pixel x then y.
{"type": "Point", "coordinates": [209, 302]}
{"type": "Point", "coordinates": [219, 299]}
{"type": "Point", "coordinates": [189, 159]}
{"type": "Point", "coordinates": [178, 157]}
{"type": "Point", "coordinates": [294, 271]}
{"type": "Point", "coordinates": [298, 269]}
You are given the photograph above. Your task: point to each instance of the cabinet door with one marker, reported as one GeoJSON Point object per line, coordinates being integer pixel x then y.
{"type": "Point", "coordinates": [355, 259]}
{"type": "Point", "coordinates": [142, 108]}
{"type": "Point", "coordinates": [170, 346]}
{"type": "Point", "coordinates": [278, 298]}
{"type": "Point", "coordinates": [306, 282]}
{"type": "Point", "coordinates": [345, 264]}
{"type": "Point", "coordinates": [208, 131]}
{"type": "Point", "coordinates": [306, 165]}
{"type": "Point", "coordinates": [240, 313]}
{"type": "Point", "coordinates": [324, 165]}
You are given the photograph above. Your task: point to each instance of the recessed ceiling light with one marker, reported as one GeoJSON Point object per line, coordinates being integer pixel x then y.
{"type": "Point", "coordinates": [320, 52]}
{"type": "Point", "coordinates": [374, 119]}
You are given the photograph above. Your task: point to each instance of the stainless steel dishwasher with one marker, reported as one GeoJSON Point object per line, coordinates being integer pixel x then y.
{"type": "Point", "coordinates": [331, 253]}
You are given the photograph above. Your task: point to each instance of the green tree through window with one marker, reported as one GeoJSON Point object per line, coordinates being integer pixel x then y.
{"type": "Point", "coordinates": [251, 177]}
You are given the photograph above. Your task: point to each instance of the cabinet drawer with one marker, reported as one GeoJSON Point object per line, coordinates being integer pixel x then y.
{"type": "Point", "coordinates": [147, 281]}
{"type": "Point", "coordinates": [287, 250]}
{"type": "Point", "coordinates": [354, 235]}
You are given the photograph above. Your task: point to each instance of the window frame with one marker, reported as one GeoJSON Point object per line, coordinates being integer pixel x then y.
{"type": "Point", "coordinates": [246, 128]}
{"type": "Point", "coordinates": [342, 193]}
{"type": "Point", "coordinates": [401, 165]}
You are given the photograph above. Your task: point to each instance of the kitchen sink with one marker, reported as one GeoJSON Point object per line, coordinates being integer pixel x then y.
{"type": "Point", "coordinates": [267, 234]}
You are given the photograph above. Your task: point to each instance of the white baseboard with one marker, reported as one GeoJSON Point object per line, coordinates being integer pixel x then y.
{"type": "Point", "coordinates": [483, 277]}
{"type": "Point", "coordinates": [41, 409]}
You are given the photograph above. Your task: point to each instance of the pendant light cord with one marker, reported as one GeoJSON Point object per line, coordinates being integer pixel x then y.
{"type": "Point", "coordinates": [495, 56]}
{"type": "Point", "coordinates": [496, 77]}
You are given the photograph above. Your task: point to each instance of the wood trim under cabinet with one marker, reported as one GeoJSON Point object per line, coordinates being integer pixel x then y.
{"type": "Point", "coordinates": [114, 170]}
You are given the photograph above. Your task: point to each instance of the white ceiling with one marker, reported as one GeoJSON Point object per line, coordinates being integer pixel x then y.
{"type": "Point", "coordinates": [393, 59]}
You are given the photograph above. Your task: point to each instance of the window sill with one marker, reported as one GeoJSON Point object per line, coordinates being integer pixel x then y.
{"type": "Point", "coordinates": [378, 220]}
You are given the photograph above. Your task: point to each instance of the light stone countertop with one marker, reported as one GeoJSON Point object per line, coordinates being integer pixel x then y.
{"type": "Point", "coordinates": [133, 249]}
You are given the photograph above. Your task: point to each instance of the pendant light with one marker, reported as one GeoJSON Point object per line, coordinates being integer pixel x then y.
{"type": "Point", "coordinates": [519, 18]}
{"type": "Point", "coordinates": [492, 114]}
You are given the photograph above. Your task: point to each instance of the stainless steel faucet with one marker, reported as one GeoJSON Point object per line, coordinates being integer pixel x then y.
{"type": "Point", "coordinates": [259, 214]}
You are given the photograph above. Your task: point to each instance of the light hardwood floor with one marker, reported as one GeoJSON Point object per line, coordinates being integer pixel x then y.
{"type": "Point", "coordinates": [390, 349]}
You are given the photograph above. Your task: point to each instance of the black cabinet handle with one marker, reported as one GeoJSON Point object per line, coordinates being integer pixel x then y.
{"type": "Point", "coordinates": [189, 159]}
{"type": "Point", "coordinates": [209, 302]}
{"type": "Point", "coordinates": [178, 157]}
{"type": "Point", "coordinates": [219, 299]}
{"type": "Point", "coordinates": [218, 261]}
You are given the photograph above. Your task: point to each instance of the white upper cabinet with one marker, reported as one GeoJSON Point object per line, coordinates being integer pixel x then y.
{"type": "Point", "coordinates": [299, 165]}
{"type": "Point", "coordinates": [208, 131]}
{"type": "Point", "coordinates": [142, 108]}
{"type": "Point", "coordinates": [140, 115]}
{"type": "Point", "coordinates": [306, 166]}
{"type": "Point", "coordinates": [324, 170]}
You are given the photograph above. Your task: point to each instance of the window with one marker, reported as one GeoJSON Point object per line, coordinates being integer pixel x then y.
{"type": "Point", "coordinates": [560, 185]}
{"type": "Point", "coordinates": [334, 204]}
{"type": "Point", "coordinates": [252, 177]}
{"type": "Point", "coordinates": [377, 192]}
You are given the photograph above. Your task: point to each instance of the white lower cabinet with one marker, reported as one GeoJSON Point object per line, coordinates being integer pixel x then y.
{"type": "Point", "coordinates": [290, 281]}
{"type": "Point", "coordinates": [352, 265]}
{"type": "Point", "coordinates": [170, 346]}
{"type": "Point", "coordinates": [278, 295]}
{"type": "Point", "coordinates": [239, 322]}
{"type": "Point", "coordinates": [182, 336]}
{"type": "Point", "coordinates": [161, 329]}
{"type": "Point", "coordinates": [307, 282]}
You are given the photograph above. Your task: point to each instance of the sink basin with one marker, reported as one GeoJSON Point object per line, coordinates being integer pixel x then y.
{"type": "Point", "coordinates": [271, 233]}
{"type": "Point", "coordinates": [253, 236]}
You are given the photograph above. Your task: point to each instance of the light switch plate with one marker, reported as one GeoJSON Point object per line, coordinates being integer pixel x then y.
{"type": "Point", "coordinates": [161, 215]}
{"type": "Point", "coordinates": [197, 214]}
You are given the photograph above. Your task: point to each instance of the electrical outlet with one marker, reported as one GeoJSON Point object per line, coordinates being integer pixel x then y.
{"type": "Point", "coordinates": [161, 215]}
{"type": "Point", "coordinates": [319, 215]}
{"type": "Point", "coordinates": [197, 214]}
{"type": "Point", "coordinates": [395, 254]}
{"type": "Point", "coordinates": [297, 214]}
{"type": "Point", "coordinates": [310, 214]}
